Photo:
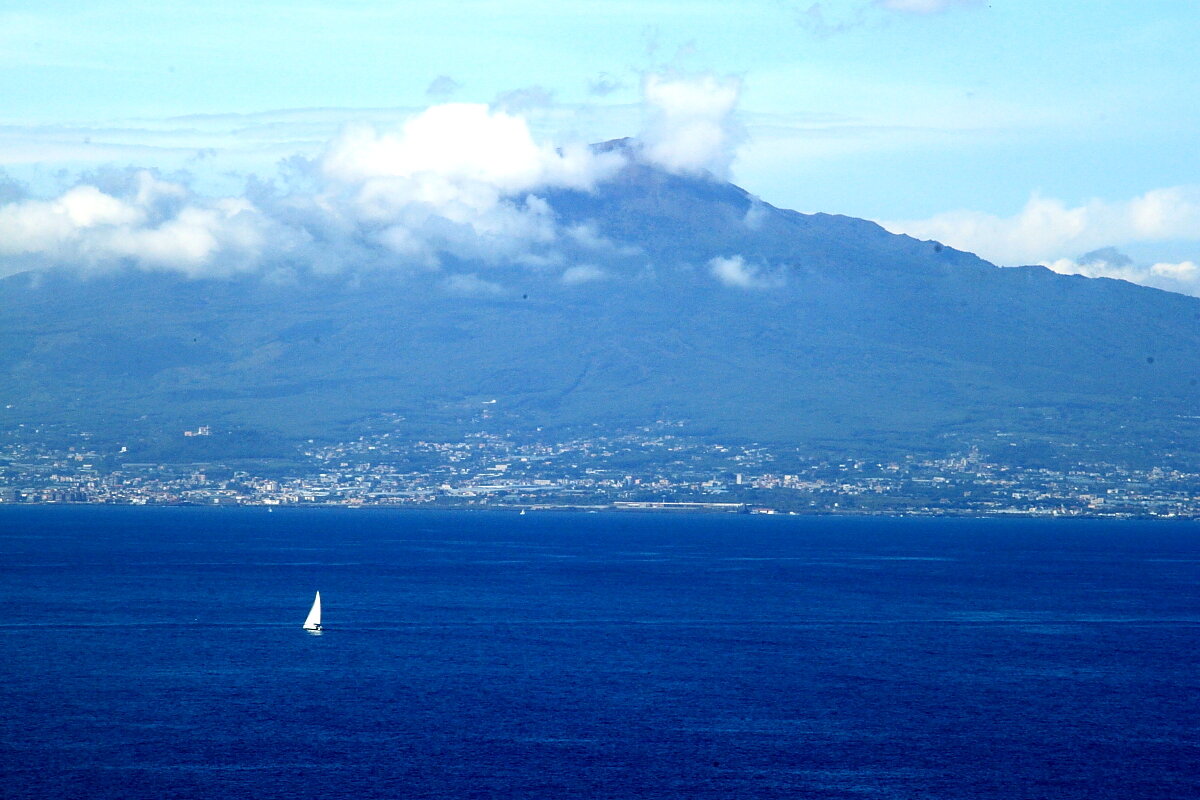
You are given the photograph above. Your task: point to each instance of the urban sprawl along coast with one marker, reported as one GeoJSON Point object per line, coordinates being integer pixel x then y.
{"type": "Point", "coordinates": [654, 467]}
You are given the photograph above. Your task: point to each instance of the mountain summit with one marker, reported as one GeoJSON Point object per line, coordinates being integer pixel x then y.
{"type": "Point", "coordinates": [659, 296]}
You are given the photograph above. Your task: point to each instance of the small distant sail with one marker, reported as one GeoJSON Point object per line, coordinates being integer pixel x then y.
{"type": "Point", "coordinates": [313, 623]}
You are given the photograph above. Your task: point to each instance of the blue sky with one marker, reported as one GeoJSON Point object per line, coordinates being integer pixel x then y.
{"type": "Point", "coordinates": [1029, 132]}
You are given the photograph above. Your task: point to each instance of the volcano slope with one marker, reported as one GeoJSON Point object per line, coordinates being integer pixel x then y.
{"type": "Point", "coordinates": [687, 300]}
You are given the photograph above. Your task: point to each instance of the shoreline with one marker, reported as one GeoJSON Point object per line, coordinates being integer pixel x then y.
{"type": "Point", "coordinates": [667, 508]}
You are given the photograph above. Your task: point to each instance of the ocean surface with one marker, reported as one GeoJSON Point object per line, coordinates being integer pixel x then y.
{"type": "Point", "coordinates": [157, 653]}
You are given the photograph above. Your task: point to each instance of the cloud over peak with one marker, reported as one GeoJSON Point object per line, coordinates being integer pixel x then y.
{"type": "Point", "coordinates": [459, 180]}
{"type": "Point", "coordinates": [454, 182]}
{"type": "Point", "coordinates": [460, 143]}
{"type": "Point", "coordinates": [690, 122]}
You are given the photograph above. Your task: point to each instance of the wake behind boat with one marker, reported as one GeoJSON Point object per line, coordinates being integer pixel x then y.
{"type": "Point", "coordinates": [313, 622]}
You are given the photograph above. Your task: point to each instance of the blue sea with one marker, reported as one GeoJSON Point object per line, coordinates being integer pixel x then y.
{"type": "Point", "coordinates": [157, 653]}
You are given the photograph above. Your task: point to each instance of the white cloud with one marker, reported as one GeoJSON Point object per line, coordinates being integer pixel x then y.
{"type": "Point", "coordinates": [1108, 262]}
{"type": "Point", "coordinates": [1047, 229]}
{"type": "Point", "coordinates": [690, 125]}
{"type": "Point", "coordinates": [192, 240]}
{"type": "Point", "coordinates": [58, 226]}
{"type": "Point", "coordinates": [453, 183]}
{"type": "Point", "coordinates": [88, 227]}
{"type": "Point", "coordinates": [456, 178]}
{"type": "Point", "coordinates": [463, 146]}
{"type": "Point", "coordinates": [1182, 271]}
{"type": "Point", "coordinates": [471, 285]}
{"type": "Point", "coordinates": [583, 273]}
{"type": "Point", "coordinates": [755, 215]}
{"type": "Point", "coordinates": [734, 271]}
{"type": "Point", "coordinates": [404, 190]}
{"type": "Point", "coordinates": [587, 238]}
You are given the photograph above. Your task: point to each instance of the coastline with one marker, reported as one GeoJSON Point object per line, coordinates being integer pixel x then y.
{"type": "Point", "coordinates": [666, 508]}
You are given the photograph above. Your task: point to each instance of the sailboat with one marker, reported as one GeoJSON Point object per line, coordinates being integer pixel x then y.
{"type": "Point", "coordinates": [313, 623]}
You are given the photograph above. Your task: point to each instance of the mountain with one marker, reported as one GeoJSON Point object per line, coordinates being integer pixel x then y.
{"type": "Point", "coordinates": [689, 300]}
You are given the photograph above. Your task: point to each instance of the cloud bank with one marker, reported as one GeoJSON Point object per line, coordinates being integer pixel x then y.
{"type": "Point", "coordinates": [458, 181]}
{"type": "Point", "coordinates": [1109, 262]}
{"type": "Point", "coordinates": [156, 224]}
{"type": "Point", "coordinates": [1049, 228]}
{"type": "Point", "coordinates": [463, 187]}
{"type": "Point", "coordinates": [1050, 232]}
{"type": "Point", "coordinates": [453, 184]}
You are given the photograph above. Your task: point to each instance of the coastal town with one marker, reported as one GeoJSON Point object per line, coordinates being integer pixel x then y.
{"type": "Point", "coordinates": [656, 467]}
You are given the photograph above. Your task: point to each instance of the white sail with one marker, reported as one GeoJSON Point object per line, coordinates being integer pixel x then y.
{"type": "Point", "coordinates": [313, 623]}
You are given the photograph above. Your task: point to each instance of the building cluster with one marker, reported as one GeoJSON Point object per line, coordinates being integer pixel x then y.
{"type": "Point", "coordinates": [654, 467]}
